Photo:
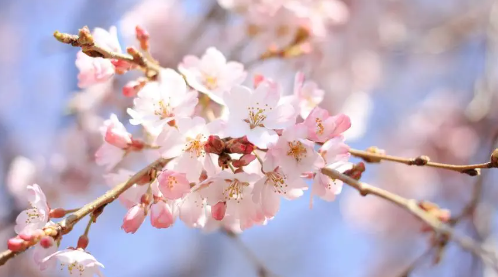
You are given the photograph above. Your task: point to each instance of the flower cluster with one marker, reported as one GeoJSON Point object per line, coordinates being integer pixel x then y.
{"type": "Point", "coordinates": [233, 151]}
{"type": "Point", "coordinates": [231, 170]}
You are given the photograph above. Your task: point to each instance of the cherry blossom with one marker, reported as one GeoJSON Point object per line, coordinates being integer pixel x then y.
{"type": "Point", "coordinates": [40, 253]}
{"type": "Point", "coordinates": [307, 93]}
{"type": "Point", "coordinates": [97, 70]}
{"type": "Point", "coordinates": [187, 142]}
{"type": "Point", "coordinates": [294, 153]}
{"type": "Point", "coordinates": [325, 187]}
{"type": "Point", "coordinates": [162, 214]}
{"type": "Point", "coordinates": [35, 217]}
{"type": "Point", "coordinates": [275, 184]}
{"type": "Point", "coordinates": [134, 218]}
{"type": "Point", "coordinates": [335, 150]}
{"type": "Point", "coordinates": [163, 101]}
{"type": "Point", "coordinates": [235, 190]}
{"type": "Point", "coordinates": [322, 126]}
{"type": "Point", "coordinates": [256, 113]}
{"type": "Point", "coordinates": [77, 261]}
{"type": "Point", "coordinates": [173, 185]}
{"type": "Point", "coordinates": [319, 13]}
{"type": "Point", "coordinates": [212, 74]}
{"type": "Point", "coordinates": [116, 142]}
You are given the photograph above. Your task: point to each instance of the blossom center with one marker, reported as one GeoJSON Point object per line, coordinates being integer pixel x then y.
{"type": "Point", "coordinates": [234, 190]}
{"type": "Point", "coordinates": [33, 214]}
{"type": "Point", "coordinates": [74, 266]}
{"type": "Point", "coordinates": [297, 150]}
{"type": "Point", "coordinates": [276, 180]}
{"type": "Point", "coordinates": [172, 181]}
{"type": "Point", "coordinates": [210, 81]}
{"type": "Point", "coordinates": [162, 109]}
{"type": "Point", "coordinates": [319, 126]}
{"type": "Point", "coordinates": [257, 116]}
{"type": "Point", "coordinates": [195, 146]}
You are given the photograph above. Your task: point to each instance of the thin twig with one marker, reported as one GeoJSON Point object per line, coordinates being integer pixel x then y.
{"type": "Point", "coordinates": [412, 206]}
{"type": "Point", "coordinates": [66, 225]}
{"type": "Point", "coordinates": [84, 40]}
{"type": "Point", "coordinates": [471, 169]}
{"type": "Point", "coordinates": [261, 269]}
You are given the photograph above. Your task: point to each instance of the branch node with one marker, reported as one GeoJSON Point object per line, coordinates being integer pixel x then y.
{"type": "Point", "coordinates": [472, 171]}
{"type": "Point", "coordinates": [420, 160]}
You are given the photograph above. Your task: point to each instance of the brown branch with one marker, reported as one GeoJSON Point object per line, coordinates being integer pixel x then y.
{"type": "Point", "coordinates": [85, 41]}
{"type": "Point", "coordinates": [412, 206]}
{"type": "Point", "coordinates": [471, 169]}
{"type": "Point", "coordinates": [66, 225]}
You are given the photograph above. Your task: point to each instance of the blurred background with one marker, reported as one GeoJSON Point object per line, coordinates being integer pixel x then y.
{"type": "Point", "coordinates": [416, 77]}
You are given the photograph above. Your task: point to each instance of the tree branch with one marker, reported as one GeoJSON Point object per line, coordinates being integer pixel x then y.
{"type": "Point", "coordinates": [85, 41]}
{"type": "Point", "coordinates": [471, 169]}
{"type": "Point", "coordinates": [66, 225]}
{"type": "Point", "coordinates": [412, 206]}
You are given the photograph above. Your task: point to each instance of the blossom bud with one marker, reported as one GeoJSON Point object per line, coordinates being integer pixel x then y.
{"type": "Point", "coordinates": [85, 36]}
{"type": "Point", "coordinates": [121, 66]}
{"type": "Point", "coordinates": [133, 219]}
{"type": "Point", "coordinates": [117, 137]}
{"type": "Point", "coordinates": [47, 242]}
{"type": "Point", "coordinates": [214, 145]}
{"type": "Point", "coordinates": [161, 215]}
{"type": "Point", "coordinates": [16, 244]}
{"type": "Point", "coordinates": [26, 235]}
{"type": "Point", "coordinates": [133, 87]}
{"type": "Point", "coordinates": [218, 211]}
{"type": "Point", "coordinates": [244, 160]}
{"type": "Point", "coordinates": [143, 37]}
{"type": "Point", "coordinates": [57, 213]}
{"type": "Point", "coordinates": [224, 160]}
{"type": "Point", "coordinates": [83, 242]}
{"type": "Point", "coordinates": [136, 145]}
{"type": "Point", "coordinates": [240, 146]}
{"type": "Point", "coordinates": [258, 78]}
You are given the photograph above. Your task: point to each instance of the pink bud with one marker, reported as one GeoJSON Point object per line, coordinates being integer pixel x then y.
{"type": "Point", "coordinates": [121, 66]}
{"type": "Point", "coordinates": [218, 211]}
{"type": "Point", "coordinates": [83, 242]}
{"type": "Point", "coordinates": [161, 215]}
{"type": "Point", "coordinates": [244, 160]}
{"type": "Point", "coordinates": [133, 219]}
{"type": "Point", "coordinates": [133, 87]}
{"type": "Point", "coordinates": [214, 145]}
{"type": "Point", "coordinates": [16, 244]}
{"type": "Point", "coordinates": [26, 235]}
{"type": "Point", "coordinates": [47, 242]}
{"type": "Point", "coordinates": [258, 78]}
{"type": "Point", "coordinates": [57, 213]}
{"type": "Point", "coordinates": [117, 136]}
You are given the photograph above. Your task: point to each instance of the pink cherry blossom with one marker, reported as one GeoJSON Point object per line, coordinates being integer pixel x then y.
{"type": "Point", "coordinates": [77, 262]}
{"type": "Point", "coordinates": [322, 126]}
{"type": "Point", "coordinates": [187, 143]}
{"type": "Point", "coordinates": [162, 214]}
{"type": "Point", "coordinates": [212, 74]}
{"type": "Point", "coordinates": [192, 210]}
{"type": "Point", "coordinates": [173, 185]}
{"type": "Point", "coordinates": [235, 190]}
{"type": "Point", "coordinates": [294, 153]}
{"type": "Point", "coordinates": [256, 113]}
{"type": "Point", "coordinates": [335, 150]}
{"type": "Point", "coordinates": [134, 218]}
{"type": "Point", "coordinates": [218, 210]}
{"type": "Point", "coordinates": [319, 13]}
{"type": "Point", "coordinates": [116, 141]}
{"type": "Point", "coordinates": [275, 184]}
{"type": "Point", "coordinates": [37, 216]}
{"type": "Point", "coordinates": [325, 187]}
{"type": "Point", "coordinates": [160, 102]}
{"type": "Point", "coordinates": [307, 93]}
{"type": "Point", "coordinates": [97, 70]}
{"type": "Point", "coordinates": [115, 132]}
